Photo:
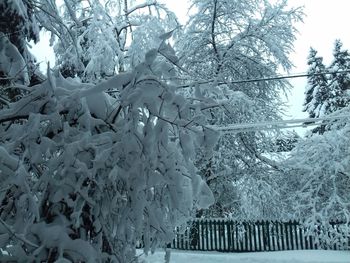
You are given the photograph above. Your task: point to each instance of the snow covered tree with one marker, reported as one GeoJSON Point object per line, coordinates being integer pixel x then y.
{"type": "Point", "coordinates": [316, 92]}
{"type": "Point", "coordinates": [326, 94]}
{"type": "Point", "coordinates": [339, 83]}
{"type": "Point", "coordinates": [97, 39]}
{"type": "Point", "coordinates": [18, 26]}
{"type": "Point", "coordinates": [84, 181]}
{"type": "Point", "coordinates": [228, 41]}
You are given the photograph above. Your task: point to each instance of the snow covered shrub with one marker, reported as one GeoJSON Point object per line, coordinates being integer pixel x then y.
{"type": "Point", "coordinates": [84, 176]}
{"type": "Point", "coordinates": [318, 181]}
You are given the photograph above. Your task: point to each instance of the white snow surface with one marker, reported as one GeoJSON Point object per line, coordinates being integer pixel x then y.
{"type": "Point", "coordinates": [295, 256]}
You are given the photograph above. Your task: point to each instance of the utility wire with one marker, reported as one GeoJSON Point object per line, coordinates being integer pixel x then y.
{"type": "Point", "coordinates": [283, 124]}
{"type": "Point", "coordinates": [302, 75]}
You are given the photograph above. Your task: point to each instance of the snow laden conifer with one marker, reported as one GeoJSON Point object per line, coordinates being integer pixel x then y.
{"type": "Point", "coordinates": [317, 89]}
{"type": "Point", "coordinates": [228, 41]}
{"type": "Point", "coordinates": [86, 176]}
{"type": "Point", "coordinates": [327, 93]}
{"type": "Point", "coordinates": [339, 82]}
{"type": "Point", "coordinates": [316, 92]}
{"type": "Point", "coordinates": [18, 26]}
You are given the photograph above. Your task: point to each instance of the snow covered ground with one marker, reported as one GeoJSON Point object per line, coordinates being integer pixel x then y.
{"type": "Point", "coordinates": [297, 256]}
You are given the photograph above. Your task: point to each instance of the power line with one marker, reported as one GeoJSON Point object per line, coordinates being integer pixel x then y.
{"type": "Point", "coordinates": [283, 124]}
{"type": "Point", "coordinates": [242, 81]}
{"type": "Point", "coordinates": [289, 76]}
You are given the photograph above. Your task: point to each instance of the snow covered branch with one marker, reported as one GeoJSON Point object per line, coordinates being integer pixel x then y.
{"type": "Point", "coordinates": [82, 185]}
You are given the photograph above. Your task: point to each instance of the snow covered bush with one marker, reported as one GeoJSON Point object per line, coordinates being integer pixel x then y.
{"type": "Point", "coordinates": [84, 175]}
{"type": "Point", "coordinates": [317, 182]}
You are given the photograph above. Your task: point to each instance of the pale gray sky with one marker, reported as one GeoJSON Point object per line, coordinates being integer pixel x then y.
{"type": "Point", "coordinates": [325, 21]}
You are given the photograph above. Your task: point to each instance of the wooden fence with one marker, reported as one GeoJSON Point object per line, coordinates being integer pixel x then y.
{"type": "Point", "coordinates": [232, 236]}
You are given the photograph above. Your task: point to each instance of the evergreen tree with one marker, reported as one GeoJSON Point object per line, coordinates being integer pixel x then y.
{"type": "Point", "coordinates": [339, 81]}
{"type": "Point", "coordinates": [316, 92]}
{"type": "Point", "coordinates": [18, 26]}
{"type": "Point", "coordinates": [326, 94]}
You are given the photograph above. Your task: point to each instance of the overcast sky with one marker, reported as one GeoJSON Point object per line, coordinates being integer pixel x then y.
{"type": "Point", "coordinates": [325, 21]}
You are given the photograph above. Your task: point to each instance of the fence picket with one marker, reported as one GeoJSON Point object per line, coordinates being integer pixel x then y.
{"type": "Point", "coordinates": [182, 240]}
{"type": "Point", "coordinates": [286, 228]}
{"type": "Point", "coordinates": [235, 239]}
{"type": "Point", "coordinates": [277, 247]}
{"type": "Point", "coordinates": [290, 228]}
{"type": "Point", "coordinates": [292, 236]}
{"type": "Point", "coordinates": [301, 237]}
{"type": "Point", "coordinates": [238, 238]}
{"type": "Point", "coordinates": [229, 237]}
{"type": "Point", "coordinates": [177, 238]}
{"type": "Point", "coordinates": [250, 236]}
{"type": "Point", "coordinates": [272, 236]}
{"type": "Point", "coordinates": [296, 236]}
{"type": "Point", "coordinates": [255, 238]}
{"type": "Point", "coordinates": [211, 235]}
{"type": "Point", "coordinates": [258, 235]}
{"type": "Point", "coordinates": [283, 236]}
{"type": "Point", "coordinates": [218, 231]}
{"type": "Point", "coordinates": [267, 236]}
{"type": "Point", "coordinates": [206, 234]}
{"type": "Point", "coordinates": [311, 243]}
{"type": "Point", "coordinates": [215, 236]}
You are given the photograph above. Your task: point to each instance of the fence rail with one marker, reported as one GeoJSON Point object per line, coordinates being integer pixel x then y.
{"type": "Point", "coordinates": [233, 236]}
